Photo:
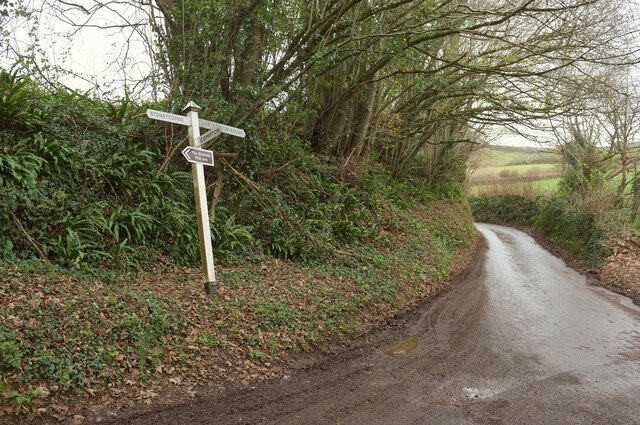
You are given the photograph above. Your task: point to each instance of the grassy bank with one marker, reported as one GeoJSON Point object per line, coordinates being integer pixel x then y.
{"type": "Point", "coordinates": [118, 337]}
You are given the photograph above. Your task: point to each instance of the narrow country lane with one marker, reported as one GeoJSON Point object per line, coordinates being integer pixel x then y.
{"type": "Point", "coordinates": [521, 340]}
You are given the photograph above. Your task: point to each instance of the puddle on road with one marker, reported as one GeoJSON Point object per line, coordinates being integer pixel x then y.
{"type": "Point", "coordinates": [472, 393]}
{"type": "Point", "coordinates": [404, 346]}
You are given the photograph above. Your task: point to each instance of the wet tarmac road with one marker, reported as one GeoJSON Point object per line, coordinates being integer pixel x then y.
{"type": "Point", "coordinates": [521, 340]}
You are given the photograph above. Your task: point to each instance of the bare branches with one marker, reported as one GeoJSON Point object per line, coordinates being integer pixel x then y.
{"type": "Point", "coordinates": [31, 241]}
{"type": "Point", "coordinates": [354, 76]}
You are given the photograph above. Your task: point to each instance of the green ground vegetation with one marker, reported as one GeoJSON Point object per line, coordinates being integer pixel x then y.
{"type": "Point", "coordinates": [85, 181]}
{"type": "Point", "coordinates": [144, 326]}
{"type": "Point", "coordinates": [515, 171]}
{"type": "Point", "coordinates": [544, 186]}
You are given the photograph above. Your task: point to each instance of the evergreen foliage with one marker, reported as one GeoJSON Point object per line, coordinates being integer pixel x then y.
{"type": "Point", "coordinates": [79, 180]}
{"type": "Point", "coordinates": [84, 180]}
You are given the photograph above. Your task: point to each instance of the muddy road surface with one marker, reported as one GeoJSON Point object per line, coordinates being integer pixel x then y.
{"type": "Point", "coordinates": [522, 339]}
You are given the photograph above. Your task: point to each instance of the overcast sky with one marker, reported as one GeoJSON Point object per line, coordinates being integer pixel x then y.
{"type": "Point", "coordinates": [102, 58]}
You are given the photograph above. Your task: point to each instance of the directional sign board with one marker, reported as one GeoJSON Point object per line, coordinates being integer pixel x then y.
{"type": "Point", "coordinates": [223, 128]}
{"type": "Point", "coordinates": [209, 135]}
{"type": "Point", "coordinates": [168, 117]}
{"type": "Point", "coordinates": [198, 156]}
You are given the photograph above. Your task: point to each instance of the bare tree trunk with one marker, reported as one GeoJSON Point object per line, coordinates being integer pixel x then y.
{"type": "Point", "coordinates": [623, 180]}
{"type": "Point", "coordinates": [353, 154]}
{"type": "Point", "coordinates": [636, 197]}
{"type": "Point", "coordinates": [330, 122]}
{"type": "Point", "coordinates": [248, 64]}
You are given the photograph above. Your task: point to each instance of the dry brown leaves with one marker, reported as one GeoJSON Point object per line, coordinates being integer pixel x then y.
{"type": "Point", "coordinates": [222, 342]}
{"type": "Point", "coordinates": [621, 271]}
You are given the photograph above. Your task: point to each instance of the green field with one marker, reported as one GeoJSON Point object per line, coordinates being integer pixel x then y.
{"type": "Point", "coordinates": [497, 156]}
{"type": "Point", "coordinates": [522, 170]}
{"type": "Point", "coordinates": [529, 189]}
{"type": "Point", "coordinates": [511, 170]}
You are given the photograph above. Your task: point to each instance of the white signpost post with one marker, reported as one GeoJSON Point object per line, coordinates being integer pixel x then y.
{"type": "Point", "coordinates": [199, 157]}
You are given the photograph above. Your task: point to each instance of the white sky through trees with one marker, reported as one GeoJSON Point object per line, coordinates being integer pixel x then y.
{"type": "Point", "coordinates": [97, 46]}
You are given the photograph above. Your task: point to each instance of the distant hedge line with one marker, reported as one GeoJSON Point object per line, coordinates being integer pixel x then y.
{"type": "Point", "coordinates": [558, 218]}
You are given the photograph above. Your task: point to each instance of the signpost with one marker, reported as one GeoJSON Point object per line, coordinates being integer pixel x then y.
{"type": "Point", "coordinates": [198, 158]}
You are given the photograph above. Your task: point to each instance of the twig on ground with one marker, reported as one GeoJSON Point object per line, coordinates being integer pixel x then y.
{"type": "Point", "coordinates": [33, 243]}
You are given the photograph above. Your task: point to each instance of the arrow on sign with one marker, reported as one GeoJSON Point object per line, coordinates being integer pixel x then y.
{"type": "Point", "coordinates": [223, 128]}
{"type": "Point", "coordinates": [209, 135]}
{"type": "Point", "coordinates": [168, 117]}
{"type": "Point", "coordinates": [198, 156]}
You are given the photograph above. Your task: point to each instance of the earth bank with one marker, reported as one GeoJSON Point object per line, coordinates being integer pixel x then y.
{"type": "Point", "coordinates": [81, 346]}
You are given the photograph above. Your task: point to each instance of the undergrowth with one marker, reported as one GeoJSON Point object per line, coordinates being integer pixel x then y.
{"type": "Point", "coordinates": [84, 181]}
{"type": "Point", "coordinates": [112, 328]}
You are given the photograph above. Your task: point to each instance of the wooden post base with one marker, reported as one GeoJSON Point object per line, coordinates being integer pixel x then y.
{"type": "Point", "coordinates": [211, 288]}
